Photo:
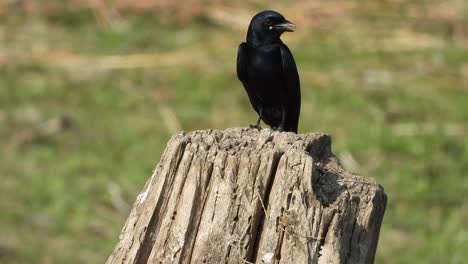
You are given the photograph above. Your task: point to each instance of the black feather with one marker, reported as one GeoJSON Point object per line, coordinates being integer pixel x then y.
{"type": "Point", "coordinates": [266, 68]}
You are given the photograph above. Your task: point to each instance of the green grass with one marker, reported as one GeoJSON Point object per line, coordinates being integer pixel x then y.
{"type": "Point", "coordinates": [399, 110]}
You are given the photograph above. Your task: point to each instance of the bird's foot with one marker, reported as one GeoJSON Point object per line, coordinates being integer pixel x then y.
{"type": "Point", "coordinates": [257, 126]}
{"type": "Point", "coordinates": [279, 129]}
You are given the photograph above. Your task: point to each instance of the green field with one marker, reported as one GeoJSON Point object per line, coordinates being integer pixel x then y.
{"type": "Point", "coordinates": [90, 96]}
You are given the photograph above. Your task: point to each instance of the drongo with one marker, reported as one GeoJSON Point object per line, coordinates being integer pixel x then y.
{"type": "Point", "coordinates": [266, 68]}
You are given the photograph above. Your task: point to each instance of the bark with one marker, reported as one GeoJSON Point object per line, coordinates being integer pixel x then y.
{"type": "Point", "coordinates": [249, 196]}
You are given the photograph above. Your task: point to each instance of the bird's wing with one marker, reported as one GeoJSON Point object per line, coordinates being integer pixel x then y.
{"type": "Point", "coordinates": [242, 62]}
{"type": "Point", "coordinates": [292, 86]}
{"type": "Point", "coordinates": [242, 74]}
{"type": "Point", "coordinates": [290, 74]}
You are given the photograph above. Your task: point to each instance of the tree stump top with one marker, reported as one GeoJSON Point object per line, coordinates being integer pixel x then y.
{"type": "Point", "coordinates": [248, 196]}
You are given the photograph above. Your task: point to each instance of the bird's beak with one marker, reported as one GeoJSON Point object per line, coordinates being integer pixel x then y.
{"type": "Point", "coordinates": [285, 26]}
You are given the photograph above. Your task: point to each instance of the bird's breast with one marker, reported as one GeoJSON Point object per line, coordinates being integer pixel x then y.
{"type": "Point", "coordinates": [266, 62]}
{"type": "Point", "coordinates": [266, 75]}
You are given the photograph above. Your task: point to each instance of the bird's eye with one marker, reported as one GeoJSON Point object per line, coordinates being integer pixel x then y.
{"type": "Point", "coordinates": [269, 22]}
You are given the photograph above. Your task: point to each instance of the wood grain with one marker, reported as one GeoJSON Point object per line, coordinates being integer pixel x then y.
{"type": "Point", "coordinates": [249, 196]}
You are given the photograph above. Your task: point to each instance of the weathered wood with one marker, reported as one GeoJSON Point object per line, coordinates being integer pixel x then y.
{"type": "Point", "coordinates": [242, 195]}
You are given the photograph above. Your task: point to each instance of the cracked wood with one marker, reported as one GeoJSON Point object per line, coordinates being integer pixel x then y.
{"type": "Point", "coordinates": [249, 196]}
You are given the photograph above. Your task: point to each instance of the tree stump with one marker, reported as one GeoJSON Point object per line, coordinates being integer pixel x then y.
{"type": "Point", "coordinates": [249, 196]}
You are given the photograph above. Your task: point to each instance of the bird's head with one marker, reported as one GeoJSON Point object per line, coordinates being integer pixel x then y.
{"type": "Point", "coordinates": [267, 26]}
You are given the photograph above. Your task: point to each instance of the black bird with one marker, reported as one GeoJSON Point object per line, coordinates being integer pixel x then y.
{"type": "Point", "coordinates": [266, 68]}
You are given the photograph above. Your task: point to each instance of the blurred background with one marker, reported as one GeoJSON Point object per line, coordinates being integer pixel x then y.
{"type": "Point", "coordinates": [91, 91]}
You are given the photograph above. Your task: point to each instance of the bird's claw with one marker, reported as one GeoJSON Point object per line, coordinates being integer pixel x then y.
{"type": "Point", "coordinates": [257, 126]}
{"type": "Point", "coordinates": [279, 129]}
